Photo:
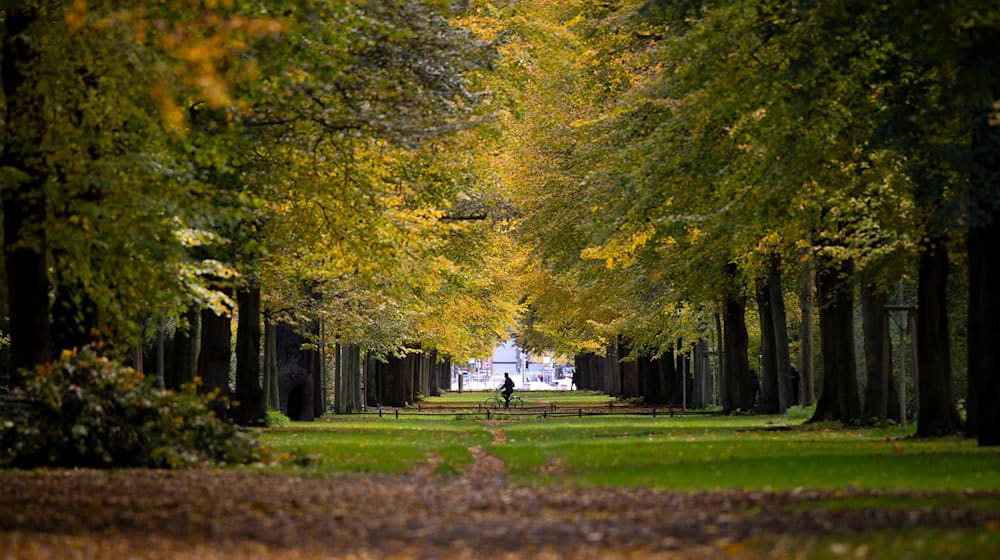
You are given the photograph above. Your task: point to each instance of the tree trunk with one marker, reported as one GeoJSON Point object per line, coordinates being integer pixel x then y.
{"type": "Point", "coordinates": [268, 365]}
{"type": "Point", "coordinates": [347, 384]}
{"type": "Point", "coordinates": [873, 316]}
{"type": "Point", "coordinates": [318, 357]}
{"type": "Point", "coordinates": [371, 379]}
{"type": "Point", "coordinates": [983, 403]}
{"type": "Point", "coordinates": [937, 414]}
{"type": "Point", "coordinates": [668, 377]}
{"type": "Point", "coordinates": [779, 321]}
{"type": "Point", "coordinates": [296, 373]}
{"type": "Point", "coordinates": [339, 379]}
{"type": "Point", "coordinates": [630, 379]}
{"type": "Point", "coordinates": [704, 384]}
{"type": "Point", "coordinates": [807, 376]}
{"type": "Point", "coordinates": [434, 391]}
{"type": "Point", "coordinates": [736, 348]}
{"type": "Point", "coordinates": [24, 201]}
{"type": "Point", "coordinates": [722, 381]}
{"type": "Point", "coordinates": [768, 400]}
{"type": "Point", "coordinates": [214, 358]}
{"type": "Point", "coordinates": [839, 397]}
{"type": "Point", "coordinates": [984, 332]}
{"type": "Point", "coordinates": [250, 396]}
{"type": "Point", "coordinates": [184, 352]}
{"type": "Point", "coordinates": [272, 379]}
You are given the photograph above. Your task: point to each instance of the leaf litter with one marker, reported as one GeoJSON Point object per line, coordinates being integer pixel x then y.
{"type": "Point", "coordinates": [240, 514]}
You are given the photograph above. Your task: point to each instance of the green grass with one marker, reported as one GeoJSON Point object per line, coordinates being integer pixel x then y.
{"type": "Point", "coordinates": [695, 453]}
{"type": "Point", "coordinates": [380, 445]}
{"type": "Point", "coordinates": [562, 399]}
{"type": "Point", "coordinates": [709, 453]}
{"type": "Point", "coordinates": [914, 543]}
{"type": "Point", "coordinates": [685, 453]}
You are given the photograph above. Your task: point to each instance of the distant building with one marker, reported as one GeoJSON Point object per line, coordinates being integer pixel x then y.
{"type": "Point", "coordinates": [507, 358]}
{"type": "Point", "coordinates": [521, 365]}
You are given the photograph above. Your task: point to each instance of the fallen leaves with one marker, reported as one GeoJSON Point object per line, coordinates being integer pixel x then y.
{"type": "Point", "coordinates": [228, 514]}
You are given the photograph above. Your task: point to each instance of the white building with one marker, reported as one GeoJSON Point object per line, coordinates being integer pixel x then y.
{"type": "Point", "coordinates": [508, 358]}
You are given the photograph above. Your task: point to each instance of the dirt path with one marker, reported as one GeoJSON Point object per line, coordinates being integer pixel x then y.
{"type": "Point", "coordinates": [221, 514]}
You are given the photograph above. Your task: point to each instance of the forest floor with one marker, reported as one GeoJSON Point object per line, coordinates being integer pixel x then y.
{"type": "Point", "coordinates": [478, 514]}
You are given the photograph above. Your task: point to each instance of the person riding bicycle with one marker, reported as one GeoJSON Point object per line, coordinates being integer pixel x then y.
{"type": "Point", "coordinates": [507, 389]}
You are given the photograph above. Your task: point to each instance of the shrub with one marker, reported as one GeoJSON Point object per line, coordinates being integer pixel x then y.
{"type": "Point", "coordinates": [86, 411]}
{"type": "Point", "coordinates": [275, 419]}
{"type": "Point", "coordinates": [799, 412]}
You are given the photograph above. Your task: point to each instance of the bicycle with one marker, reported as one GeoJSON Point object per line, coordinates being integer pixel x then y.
{"type": "Point", "coordinates": [496, 401]}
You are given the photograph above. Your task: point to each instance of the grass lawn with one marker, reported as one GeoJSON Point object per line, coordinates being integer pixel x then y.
{"type": "Point", "coordinates": [598, 486]}
{"type": "Point", "coordinates": [381, 445]}
{"type": "Point", "coordinates": [562, 399]}
{"type": "Point", "coordinates": [714, 452]}
{"type": "Point", "coordinates": [680, 453]}
{"type": "Point", "coordinates": [858, 473]}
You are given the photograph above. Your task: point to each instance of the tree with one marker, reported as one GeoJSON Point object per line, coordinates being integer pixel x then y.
{"type": "Point", "coordinates": [838, 399]}
{"type": "Point", "coordinates": [97, 182]}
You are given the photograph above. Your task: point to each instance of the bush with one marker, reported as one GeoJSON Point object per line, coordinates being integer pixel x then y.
{"type": "Point", "coordinates": [799, 412]}
{"type": "Point", "coordinates": [275, 419]}
{"type": "Point", "coordinates": [86, 411]}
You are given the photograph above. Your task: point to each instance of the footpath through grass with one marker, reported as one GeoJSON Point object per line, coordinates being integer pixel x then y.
{"type": "Point", "coordinates": [680, 453]}
{"type": "Point", "coordinates": [452, 484]}
{"type": "Point", "coordinates": [814, 491]}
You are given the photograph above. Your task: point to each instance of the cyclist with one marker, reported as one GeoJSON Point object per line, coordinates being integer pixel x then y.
{"type": "Point", "coordinates": [507, 389]}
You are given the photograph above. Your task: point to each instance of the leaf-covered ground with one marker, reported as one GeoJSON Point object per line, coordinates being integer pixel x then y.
{"type": "Point", "coordinates": [228, 514]}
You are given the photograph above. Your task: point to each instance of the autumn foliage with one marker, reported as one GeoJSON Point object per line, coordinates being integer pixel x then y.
{"type": "Point", "coordinates": [87, 411]}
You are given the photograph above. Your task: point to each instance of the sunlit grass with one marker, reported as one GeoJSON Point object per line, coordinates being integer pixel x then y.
{"type": "Point", "coordinates": [914, 543]}
{"type": "Point", "coordinates": [380, 445]}
{"type": "Point", "coordinates": [686, 453]}
{"type": "Point", "coordinates": [562, 399]}
{"type": "Point", "coordinates": [719, 452]}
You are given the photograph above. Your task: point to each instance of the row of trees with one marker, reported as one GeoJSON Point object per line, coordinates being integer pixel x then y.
{"type": "Point", "coordinates": [305, 164]}
{"type": "Point", "coordinates": [337, 172]}
{"type": "Point", "coordinates": [677, 159]}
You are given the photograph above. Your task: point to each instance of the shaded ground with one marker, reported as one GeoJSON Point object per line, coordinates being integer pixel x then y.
{"type": "Point", "coordinates": [225, 514]}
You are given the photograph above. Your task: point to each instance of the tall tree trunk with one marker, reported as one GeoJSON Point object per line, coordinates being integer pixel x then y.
{"type": "Point", "coordinates": [274, 388]}
{"type": "Point", "coordinates": [614, 378]}
{"type": "Point", "coordinates": [722, 381]}
{"type": "Point", "coordinates": [839, 397]}
{"type": "Point", "coordinates": [937, 414]}
{"type": "Point", "coordinates": [983, 411]}
{"type": "Point", "coordinates": [984, 332]}
{"type": "Point", "coordinates": [371, 380]}
{"type": "Point", "coordinates": [873, 317]}
{"type": "Point", "coordinates": [250, 396]}
{"type": "Point", "coordinates": [357, 390]}
{"type": "Point", "coordinates": [434, 390]}
{"type": "Point", "coordinates": [214, 358]}
{"type": "Point", "coordinates": [807, 376]}
{"type": "Point", "coordinates": [668, 377]}
{"type": "Point", "coordinates": [296, 372]}
{"type": "Point", "coordinates": [24, 201]}
{"type": "Point", "coordinates": [736, 348]}
{"type": "Point", "coordinates": [779, 321]}
{"type": "Point", "coordinates": [347, 385]}
{"type": "Point", "coordinates": [183, 370]}
{"type": "Point", "coordinates": [318, 357]}
{"type": "Point", "coordinates": [270, 367]}
{"type": "Point", "coordinates": [768, 401]}
{"type": "Point", "coordinates": [704, 384]}
{"type": "Point", "coordinates": [161, 353]}
{"type": "Point", "coordinates": [339, 379]}
{"type": "Point", "coordinates": [630, 372]}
